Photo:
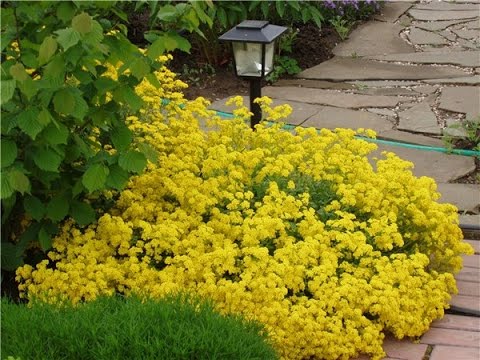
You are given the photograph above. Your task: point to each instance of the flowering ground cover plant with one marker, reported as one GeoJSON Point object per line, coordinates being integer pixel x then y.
{"type": "Point", "coordinates": [294, 229]}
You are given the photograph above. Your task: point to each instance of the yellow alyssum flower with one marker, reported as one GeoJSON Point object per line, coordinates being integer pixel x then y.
{"type": "Point", "coordinates": [294, 229]}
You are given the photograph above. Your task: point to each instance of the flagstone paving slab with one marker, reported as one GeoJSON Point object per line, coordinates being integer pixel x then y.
{"type": "Point", "coordinates": [426, 89]}
{"type": "Point", "coordinates": [405, 349]}
{"type": "Point", "coordinates": [422, 37]}
{"type": "Point", "coordinates": [398, 91]}
{"type": "Point", "coordinates": [462, 99]}
{"type": "Point", "coordinates": [472, 261]}
{"type": "Point", "coordinates": [391, 11]}
{"type": "Point", "coordinates": [469, 274]}
{"type": "Point", "coordinates": [315, 84]}
{"type": "Point", "coordinates": [373, 38]}
{"type": "Point", "coordinates": [443, 168]}
{"type": "Point", "coordinates": [383, 83]}
{"type": "Point", "coordinates": [464, 196]}
{"type": "Point", "coordinates": [470, 80]}
{"type": "Point", "coordinates": [470, 220]}
{"type": "Point", "coordinates": [447, 6]}
{"type": "Point", "coordinates": [442, 352]}
{"type": "Point", "coordinates": [331, 98]}
{"type": "Point", "coordinates": [466, 304]}
{"type": "Point", "coordinates": [437, 25]}
{"type": "Point", "coordinates": [461, 58]}
{"type": "Point", "coordinates": [428, 15]}
{"type": "Point", "coordinates": [332, 117]}
{"type": "Point", "coordinates": [343, 68]}
{"type": "Point", "coordinates": [467, 33]}
{"type": "Point", "coordinates": [409, 138]}
{"type": "Point", "coordinates": [383, 111]}
{"type": "Point", "coordinates": [419, 118]}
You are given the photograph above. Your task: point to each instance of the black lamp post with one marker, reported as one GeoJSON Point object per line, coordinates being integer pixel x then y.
{"type": "Point", "coordinates": [253, 44]}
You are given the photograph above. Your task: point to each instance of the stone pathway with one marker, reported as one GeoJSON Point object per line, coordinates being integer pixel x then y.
{"type": "Point", "coordinates": [409, 74]}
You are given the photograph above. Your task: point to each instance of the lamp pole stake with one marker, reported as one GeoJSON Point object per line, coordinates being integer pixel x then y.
{"type": "Point", "coordinates": [255, 92]}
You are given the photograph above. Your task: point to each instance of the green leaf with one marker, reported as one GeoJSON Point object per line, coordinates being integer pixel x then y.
{"type": "Point", "coordinates": [7, 207]}
{"type": "Point", "coordinates": [222, 17]}
{"type": "Point", "coordinates": [54, 74]}
{"type": "Point", "coordinates": [44, 117]}
{"type": "Point", "coordinates": [82, 213]}
{"type": "Point", "coordinates": [18, 72]}
{"type": "Point", "coordinates": [7, 90]}
{"type": "Point", "coordinates": [280, 5]}
{"type": "Point", "coordinates": [47, 159]}
{"type": "Point", "coordinates": [95, 176]}
{"type": "Point", "coordinates": [167, 13]}
{"type": "Point", "coordinates": [57, 208]}
{"type": "Point", "coordinates": [121, 138]}
{"type": "Point", "coordinates": [9, 152]}
{"type": "Point", "coordinates": [104, 84]}
{"type": "Point", "coordinates": [126, 95]}
{"type": "Point", "coordinates": [152, 79]}
{"type": "Point", "coordinates": [34, 207]}
{"type": "Point", "coordinates": [149, 152]}
{"type": "Point", "coordinates": [181, 43]}
{"type": "Point", "coordinates": [64, 102]}
{"type": "Point", "coordinates": [68, 38]}
{"type": "Point", "coordinates": [117, 178]}
{"type": "Point", "coordinates": [28, 87]}
{"type": "Point", "coordinates": [56, 135]}
{"type": "Point", "coordinates": [81, 107]}
{"type": "Point", "coordinates": [265, 6]}
{"type": "Point", "coordinates": [44, 239]}
{"type": "Point", "coordinates": [156, 49]}
{"type": "Point", "coordinates": [7, 188]}
{"type": "Point", "coordinates": [65, 11]}
{"type": "Point", "coordinates": [82, 23]}
{"type": "Point", "coordinates": [47, 49]}
{"type": "Point", "coordinates": [139, 68]}
{"type": "Point", "coordinates": [78, 188]}
{"type": "Point", "coordinates": [132, 161]}
{"type": "Point", "coordinates": [28, 122]}
{"type": "Point", "coordinates": [19, 181]}
{"type": "Point", "coordinates": [11, 256]}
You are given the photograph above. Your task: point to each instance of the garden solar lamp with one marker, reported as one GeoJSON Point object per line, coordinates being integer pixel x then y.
{"type": "Point", "coordinates": [253, 45]}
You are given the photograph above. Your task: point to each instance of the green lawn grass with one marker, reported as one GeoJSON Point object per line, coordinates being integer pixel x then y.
{"type": "Point", "coordinates": [118, 328]}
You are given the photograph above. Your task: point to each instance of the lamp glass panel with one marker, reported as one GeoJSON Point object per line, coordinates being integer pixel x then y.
{"type": "Point", "coordinates": [269, 51]}
{"type": "Point", "coordinates": [248, 59]}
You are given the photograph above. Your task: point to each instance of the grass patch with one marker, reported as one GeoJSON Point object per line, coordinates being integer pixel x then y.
{"type": "Point", "coordinates": [125, 328]}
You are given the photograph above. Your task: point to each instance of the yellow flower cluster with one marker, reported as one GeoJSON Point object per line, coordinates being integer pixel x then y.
{"type": "Point", "coordinates": [294, 229]}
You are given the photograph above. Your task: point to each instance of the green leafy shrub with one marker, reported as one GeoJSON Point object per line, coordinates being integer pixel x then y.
{"type": "Point", "coordinates": [126, 328]}
{"type": "Point", "coordinates": [64, 136]}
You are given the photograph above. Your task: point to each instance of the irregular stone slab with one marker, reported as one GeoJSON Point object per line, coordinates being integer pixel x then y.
{"type": "Point", "coordinates": [436, 25]}
{"type": "Point", "coordinates": [467, 34]}
{"type": "Point", "coordinates": [423, 37]}
{"type": "Point", "coordinates": [425, 89]}
{"type": "Point", "coordinates": [466, 197]}
{"type": "Point", "coordinates": [475, 24]}
{"type": "Point", "coordinates": [391, 11]}
{"type": "Point", "coordinates": [470, 220]}
{"type": "Point", "coordinates": [300, 111]}
{"type": "Point", "coordinates": [439, 166]}
{"type": "Point", "coordinates": [384, 112]}
{"type": "Point", "coordinates": [331, 118]}
{"type": "Point", "coordinates": [341, 68]}
{"type": "Point", "coordinates": [473, 80]}
{"type": "Point", "coordinates": [419, 118]}
{"type": "Point", "coordinates": [328, 97]}
{"type": "Point", "coordinates": [469, 44]}
{"type": "Point", "coordinates": [409, 138]}
{"type": "Point", "coordinates": [447, 6]}
{"type": "Point", "coordinates": [427, 15]}
{"type": "Point", "coordinates": [454, 129]}
{"type": "Point", "coordinates": [397, 91]}
{"type": "Point", "coordinates": [462, 99]}
{"type": "Point", "coordinates": [403, 349]}
{"type": "Point", "coordinates": [461, 58]}
{"type": "Point", "coordinates": [383, 83]}
{"type": "Point", "coordinates": [315, 84]}
{"type": "Point", "coordinates": [373, 38]}
{"type": "Point", "coordinates": [448, 35]}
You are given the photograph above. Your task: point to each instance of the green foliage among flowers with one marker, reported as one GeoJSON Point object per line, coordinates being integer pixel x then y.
{"type": "Point", "coordinates": [296, 230]}
{"type": "Point", "coordinates": [63, 117]}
